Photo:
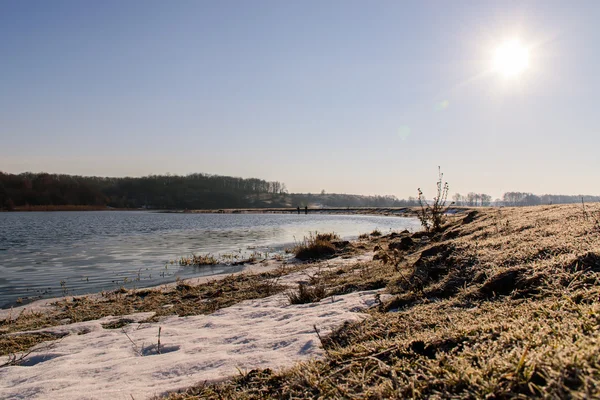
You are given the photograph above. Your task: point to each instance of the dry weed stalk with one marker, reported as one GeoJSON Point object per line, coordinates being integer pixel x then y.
{"type": "Point", "coordinates": [432, 216]}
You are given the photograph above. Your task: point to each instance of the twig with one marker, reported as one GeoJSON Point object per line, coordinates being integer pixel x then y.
{"type": "Point", "coordinates": [135, 347]}
{"type": "Point", "coordinates": [14, 360]}
{"type": "Point", "coordinates": [158, 346]}
{"type": "Point", "coordinates": [321, 340]}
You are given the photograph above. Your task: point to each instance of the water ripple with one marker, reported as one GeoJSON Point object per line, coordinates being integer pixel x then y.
{"type": "Point", "coordinates": [93, 251]}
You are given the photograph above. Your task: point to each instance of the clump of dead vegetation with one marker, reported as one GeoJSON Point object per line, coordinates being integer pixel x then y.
{"type": "Point", "coordinates": [307, 293]}
{"type": "Point", "coordinates": [375, 233]}
{"type": "Point", "coordinates": [13, 344]}
{"type": "Point", "coordinates": [315, 246]}
{"type": "Point", "coordinates": [198, 260]}
{"type": "Point", "coordinates": [497, 303]}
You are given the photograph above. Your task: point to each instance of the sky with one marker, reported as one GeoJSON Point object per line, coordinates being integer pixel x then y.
{"type": "Point", "coordinates": [342, 96]}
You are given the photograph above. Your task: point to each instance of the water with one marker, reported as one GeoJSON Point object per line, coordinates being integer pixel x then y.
{"type": "Point", "coordinates": [49, 254]}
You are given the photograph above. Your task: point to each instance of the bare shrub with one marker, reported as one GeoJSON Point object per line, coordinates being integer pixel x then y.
{"type": "Point", "coordinates": [432, 216]}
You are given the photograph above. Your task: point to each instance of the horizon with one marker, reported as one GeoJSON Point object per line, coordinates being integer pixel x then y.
{"type": "Point", "coordinates": [343, 96]}
{"type": "Point", "coordinates": [493, 199]}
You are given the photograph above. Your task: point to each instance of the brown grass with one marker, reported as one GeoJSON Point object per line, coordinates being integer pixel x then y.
{"type": "Point", "coordinates": [316, 246]}
{"type": "Point", "coordinates": [198, 260]}
{"type": "Point", "coordinates": [503, 303]}
{"type": "Point", "coordinates": [185, 299]}
{"type": "Point", "coordinates": [307, 294]}
{"type": "Point", "coordinates": [12, 344]}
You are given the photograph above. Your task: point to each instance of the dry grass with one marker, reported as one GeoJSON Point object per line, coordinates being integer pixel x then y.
{"type": "Point", "coordinates": [183, 300]}
{"type": "Point", "coordinates": [316, 246]}
{"type": "Point", "coordinates": [198, 260]}
{"type": "Point", "coordinates": [503, 303]}
{"type": "Point", "coordinates": [12, 344]}
{"type": "Point", "coordinates": [307, 294]}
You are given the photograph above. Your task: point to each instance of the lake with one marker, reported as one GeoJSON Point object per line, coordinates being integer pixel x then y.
{"type": "Point", "coordinates": [50, 254]}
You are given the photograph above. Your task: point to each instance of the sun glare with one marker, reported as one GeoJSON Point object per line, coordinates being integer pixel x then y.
{"type": "Point", "coordinates": [511, 59]}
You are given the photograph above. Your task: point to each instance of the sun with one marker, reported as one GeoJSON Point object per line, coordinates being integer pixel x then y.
{"type": "Point", "coordinates": [511, 59]}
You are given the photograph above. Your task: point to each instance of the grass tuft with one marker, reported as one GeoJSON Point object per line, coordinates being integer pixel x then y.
{"type": "Point", "coordinates": [376, 233]}
{"type": "Point", "coordinates": [198, 260]}
{"type": "Point", "coordinates": [315, 246]}
{"type": "Point", "coordinates": [307, 294]}
{"type": "Point", "coordinates": [121, 322]}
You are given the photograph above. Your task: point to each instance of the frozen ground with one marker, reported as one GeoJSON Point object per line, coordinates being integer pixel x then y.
{"type": "Point", "coordinates": [98, 363]}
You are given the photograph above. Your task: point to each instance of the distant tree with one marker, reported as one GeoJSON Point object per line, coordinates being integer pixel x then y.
{"type": "Point", "coordinates": [458, 199]}
{"type": "Point", "coordinates": [472, 199]}
{"type": "Point", "coordinates": [513, 198]}
{"type": "Point", "coordinates": [523, 199]}
{"type": "Point", "coordinates": [486, 200]}
{"type": "Point", "coordinates": [531, 200]}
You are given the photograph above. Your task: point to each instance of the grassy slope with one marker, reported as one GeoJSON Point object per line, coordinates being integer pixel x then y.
{"type": "Point", "coordinates": [502, 304]}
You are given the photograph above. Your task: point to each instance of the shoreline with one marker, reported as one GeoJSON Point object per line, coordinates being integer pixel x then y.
{"type": "Point", "coordinates": [380, 211]}
{"type": "Point", "coordinates": [97, 283]}
{"type": "Point", "coordinates": [47, 303]}
{"type": "Point", "coordinates": [251, 331]}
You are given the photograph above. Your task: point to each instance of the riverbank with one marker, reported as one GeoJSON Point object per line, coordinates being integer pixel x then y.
{"type": "Point", "coordinates": [500, 303]}
{"type": "Point", "coordinates": [220, 320]}
{"type": "Point", "coordinates": [383, 211]}
{"type": "Point", "coordinates": [87, 252]}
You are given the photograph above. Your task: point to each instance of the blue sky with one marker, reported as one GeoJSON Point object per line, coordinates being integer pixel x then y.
{"type": "Point", "coordinates": [346, 96]}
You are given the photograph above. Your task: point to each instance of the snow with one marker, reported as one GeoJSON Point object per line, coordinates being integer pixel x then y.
{"type": "Point", "coordinates": [97, 363]}
{"type": "Point", "coordinates": [46, 305]}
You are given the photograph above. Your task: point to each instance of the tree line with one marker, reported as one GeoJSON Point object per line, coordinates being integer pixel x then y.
{"type": "Point", "coordinates": [154, 191]}
{"type": "Point", "coordinates": [206, 191]}
{"type": "Point", "coordinates": [519, 199]}
{"type": "Point", "coordinates": [530, 199]}
{"type": "Point", "coordinates": [472, 199]}
{"type": "Point", "coordinates": [193, 191]}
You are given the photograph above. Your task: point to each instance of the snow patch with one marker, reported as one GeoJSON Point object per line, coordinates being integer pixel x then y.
{"type": "Point", "coordinates": [126, 362]}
